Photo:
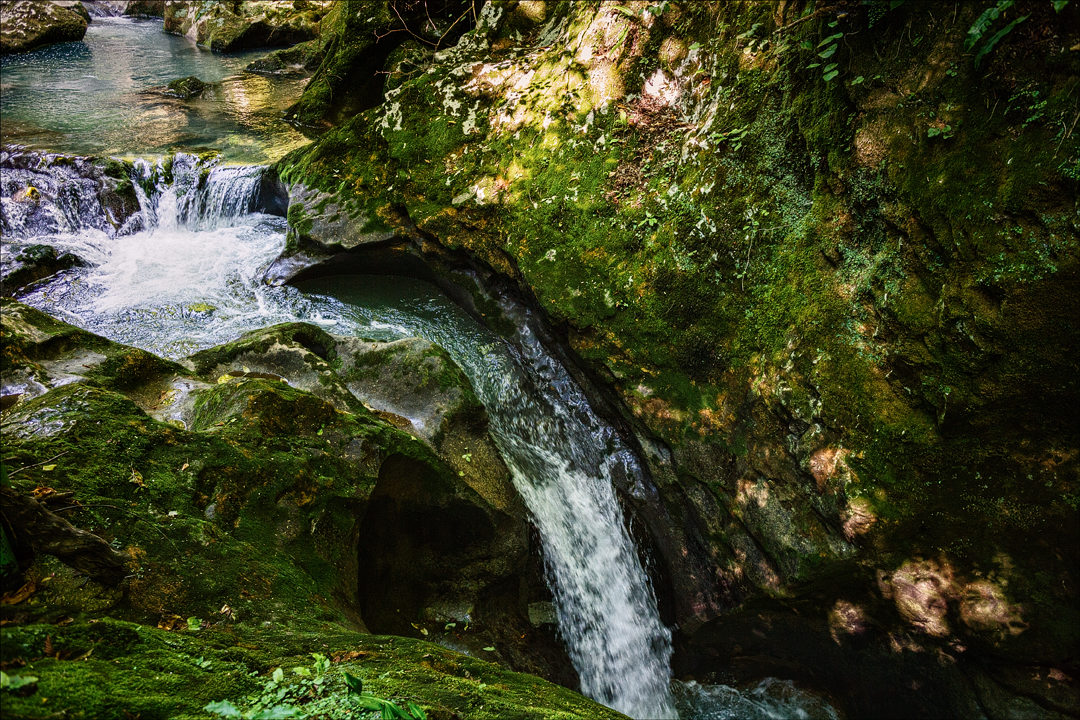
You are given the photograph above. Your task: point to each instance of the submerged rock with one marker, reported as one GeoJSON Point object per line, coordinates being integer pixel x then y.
{"type": "Point", "coordinates": [30, 24]}
{"type": "Point", "coordinates": [186, 88]}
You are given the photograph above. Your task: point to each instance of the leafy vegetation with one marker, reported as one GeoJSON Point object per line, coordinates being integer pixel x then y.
{"type": "Point", "coordinates": [313, 694]}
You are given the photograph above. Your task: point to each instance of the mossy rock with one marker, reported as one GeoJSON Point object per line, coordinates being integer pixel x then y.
{"type": "Point", "coordinates": [33, 263]}
{"type": "Point", "coordinates": [186, 88]}
{"type": "Point", "coordinates": [847, 305]}
{"type": "Point", "coordinates": [305, 505]}
{"type": "Point", "coordinates": [111, 669]}
{"type": "Point", "coordinates": [230, 27]}
{"type": "Point", "coordinates": [29, 25]}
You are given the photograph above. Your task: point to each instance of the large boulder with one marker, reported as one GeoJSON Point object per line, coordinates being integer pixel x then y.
{"type": "Point", "coordinates": [243, 24]}
{"type": "Point", "coordinates": [30, 24]}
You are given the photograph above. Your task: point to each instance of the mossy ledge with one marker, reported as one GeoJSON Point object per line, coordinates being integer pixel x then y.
{"type": "Point", "coordinates": [259, 524]}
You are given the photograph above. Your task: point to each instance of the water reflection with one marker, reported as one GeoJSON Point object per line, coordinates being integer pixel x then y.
{"type": "Point", "coordinates": [97, 96]}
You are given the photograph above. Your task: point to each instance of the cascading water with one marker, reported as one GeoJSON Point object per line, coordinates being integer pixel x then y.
{"type": "Point", "coordinates": [185, 274]}
{"type": "Point", "coordinates": [189, 277]}
{"type": "Point", "coordinates": [564, 460]}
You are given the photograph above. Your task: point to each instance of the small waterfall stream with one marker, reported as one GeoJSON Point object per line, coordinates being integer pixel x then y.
{"type": "Point", "coordinates": [190, 276]}
{"type": "Point", "coordinates": [564, 460]}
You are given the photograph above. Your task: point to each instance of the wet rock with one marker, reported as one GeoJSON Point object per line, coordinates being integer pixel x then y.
{"type": "Point", "coordinates": [299, 59]}
{"type": "Point", "coordinates": [186, 88]}
{"type": "Point", "coordinates": [131, 8]}
{"type": "Point", "coordinates": [281, 467]}
{"type": "Point", "coordinates": [75, 6]}
{"type": "Point", "coordinates": [32, 263]}
{"type": "Point", "coordinates": [51, 194]}
{"type": "Point", "coordinates": [29, 24]}
{"type": "Point", "coordinates": [465, 556]}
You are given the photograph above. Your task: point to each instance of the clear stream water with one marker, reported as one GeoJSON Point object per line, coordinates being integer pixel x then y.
{"type": "Point", "coordinates": [186, 274]}
{"type": "Point", "coordinates": [97, 96]}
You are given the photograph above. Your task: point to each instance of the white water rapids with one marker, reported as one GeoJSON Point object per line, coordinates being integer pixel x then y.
{"type": "Point", "coordinates": [191, 278]}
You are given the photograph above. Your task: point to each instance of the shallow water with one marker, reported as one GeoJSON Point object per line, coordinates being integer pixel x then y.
{"type": "Point", "coordinates": [96, 97]}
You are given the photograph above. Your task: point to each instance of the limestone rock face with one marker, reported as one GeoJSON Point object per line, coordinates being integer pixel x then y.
{"type": "Point", "coordinates": [231, 26]}
{"type": "Point", "coordinates": [29, 24]}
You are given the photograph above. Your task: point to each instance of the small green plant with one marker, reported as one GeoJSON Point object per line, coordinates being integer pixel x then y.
{"type": "Point", "coordinates": [825, 50]}
{"type": "Point", "coordinates": [309, 694]}
{"type": "Point", "coordinates": [14, 682]}
{"type": "Point", "coordinates": [987, 19]}
{"type": "Point", "coordinates": [944, 132]}
{"type": "Point", "coordinates": [386, 709]}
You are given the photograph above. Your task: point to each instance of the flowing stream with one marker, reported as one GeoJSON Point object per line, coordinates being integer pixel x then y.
{"type": "Point", "coordinates": [102, 95]}
{"type": "Point", "coordinates": [191, 278]}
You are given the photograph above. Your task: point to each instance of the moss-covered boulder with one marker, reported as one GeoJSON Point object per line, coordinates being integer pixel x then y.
{"type": "Point", "coordinates": [29, 24]}
{"type": "Point", "coordinates": [235, 491]}
{"type": "Point", "coordinates": [232, 26]}
{"type": "Point", "coordinates": [110, 669]}
{"type": "Point", "coordinates": [832, 287]}
{"type": "Point", "coordinates": [299, 59]}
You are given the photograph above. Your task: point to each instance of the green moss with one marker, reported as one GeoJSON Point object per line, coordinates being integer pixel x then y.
{"type": "Point", "coordinates": [112, 669]}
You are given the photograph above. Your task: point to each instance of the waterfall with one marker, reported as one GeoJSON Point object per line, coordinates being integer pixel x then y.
{"type": "Point", "coordinates": [564, 461]}
{"type": "Point", "coordinates": [72, 196]}
{"type": "Point", "coordinates": [180, 273]}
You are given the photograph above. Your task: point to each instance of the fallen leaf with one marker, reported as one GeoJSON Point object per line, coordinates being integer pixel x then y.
{"type": "Point", "coordinates": [183, 467]}
{"type": "Point", "coordinates": [137, 478]}
{"type": "Point", "coordinates": [48, 468]}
